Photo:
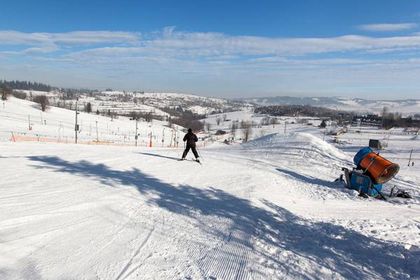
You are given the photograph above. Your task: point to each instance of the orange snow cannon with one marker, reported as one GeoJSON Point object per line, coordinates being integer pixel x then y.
{"type": "Point", "coordinates": [380, 169]}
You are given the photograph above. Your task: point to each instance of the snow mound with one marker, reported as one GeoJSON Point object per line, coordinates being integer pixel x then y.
{"type": "Point", "coordinates": [298, 141]}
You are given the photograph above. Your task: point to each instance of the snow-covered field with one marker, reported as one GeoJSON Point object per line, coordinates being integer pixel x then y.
{"type": "Point", "coordinates": [267, 209]}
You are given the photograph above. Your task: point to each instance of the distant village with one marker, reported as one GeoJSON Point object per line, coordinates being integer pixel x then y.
{"type": "Point", "coordinates": [385, 120]}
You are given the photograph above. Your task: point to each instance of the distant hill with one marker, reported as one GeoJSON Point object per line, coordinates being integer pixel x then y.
{"type": "Point", "coordinates": [124, 102]}
{"type": "Point", "coordinates": [406, 107]}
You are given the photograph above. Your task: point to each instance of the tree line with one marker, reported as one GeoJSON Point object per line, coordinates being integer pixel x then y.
{"type": "Point", "coordinates": [25, 85]}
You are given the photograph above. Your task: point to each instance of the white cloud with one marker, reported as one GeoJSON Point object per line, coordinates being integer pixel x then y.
{"type": "Point", "coordinates": [171, 43]}
{"type": "Point", "coordinates": [209, 58]}
{"type": "Point", "coordinates": [95, 37]}
{"type": "Point", "coordinates": [185, 45]}
{"type": "Point", "coordinates": [384, 27]}
{"type": "Point", "coordinates": [10, 37]}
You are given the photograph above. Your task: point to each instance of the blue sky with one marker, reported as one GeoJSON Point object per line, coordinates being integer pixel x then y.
{"type": "Point", "coordinates": [367, 49]}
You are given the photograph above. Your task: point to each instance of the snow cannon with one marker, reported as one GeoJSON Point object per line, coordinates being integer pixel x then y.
{"type": "Point", "coordinates": [379, 169]}
{"type": "Point", "coordinates": [371, 172]}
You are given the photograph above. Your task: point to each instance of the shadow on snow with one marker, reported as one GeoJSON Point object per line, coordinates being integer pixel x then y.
{"type": "Point", "coordinates": [342, 250]}
{"type": "Point", "coordinates": [307, 179]}
{"type": "Point", "coordinates": [160, 156]}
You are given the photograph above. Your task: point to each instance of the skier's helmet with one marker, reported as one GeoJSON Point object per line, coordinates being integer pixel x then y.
{"type": "Point", "coordinates": [189, 130]}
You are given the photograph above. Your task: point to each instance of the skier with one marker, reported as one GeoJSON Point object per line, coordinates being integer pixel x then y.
{"type": "Point", "coordinates": [190, 138]}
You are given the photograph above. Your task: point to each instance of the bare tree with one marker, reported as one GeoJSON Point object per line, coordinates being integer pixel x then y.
{"type": "Point", "coordinates": [5, 92]}
{"type": "Point", "coordinates": [385, 111]}
{"type": "Point", "coordinates": [246, 130]}
{"type": "Point", "coordinates": [19, 94]}
{"type": "Point", "coordinates": [208, 126]}
{"type": "Point", "coordinates": [43, 101]}
{"type": "Point", "coordinates": [274, 121]}
{"type": "Point", "coordinates": [265, 121]}
{"type": "Point", "coordinates": [233, 128]}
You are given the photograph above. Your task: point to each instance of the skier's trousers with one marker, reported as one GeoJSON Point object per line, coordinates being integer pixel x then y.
{"type": "Point", "coordinates": [187, 149]}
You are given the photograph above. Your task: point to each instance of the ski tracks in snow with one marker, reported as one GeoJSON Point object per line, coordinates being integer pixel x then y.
{"type": "Point", "coordinates": [230, 260]}
{"type": "Point", "coordinates": [136, 253]}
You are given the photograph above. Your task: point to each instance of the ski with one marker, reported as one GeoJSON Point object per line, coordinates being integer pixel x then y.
{"type": "Point", "coordinates": [195, 160]}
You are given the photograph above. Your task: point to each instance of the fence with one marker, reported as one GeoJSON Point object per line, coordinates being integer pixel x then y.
{"type": "Point", "coordinates": [24, 137]}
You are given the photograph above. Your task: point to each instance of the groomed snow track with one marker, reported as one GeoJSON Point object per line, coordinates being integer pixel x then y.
{"type": "Point", "coordinates": [252, 212]}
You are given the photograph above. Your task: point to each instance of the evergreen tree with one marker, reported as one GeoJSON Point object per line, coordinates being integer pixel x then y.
{"type": "Point", "coordinates": [88, 108]}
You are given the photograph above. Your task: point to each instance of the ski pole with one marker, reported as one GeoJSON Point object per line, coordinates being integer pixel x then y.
{"type": "Point", "coordinates": [199, 154]}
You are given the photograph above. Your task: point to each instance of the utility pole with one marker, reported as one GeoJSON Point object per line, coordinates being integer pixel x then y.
{"type": "Point", "coordinates": [137, 135]}
{"type": "Point", "coordinates": [172, 138]}
{"type": "Point", "coordinates": [76, 126]}
{"type": "Point", "coordinates": [150, 143]}
{"type": "Point", "coordinates": [59, 132]}
{"type": "Point", "coordinates": [97, 136]}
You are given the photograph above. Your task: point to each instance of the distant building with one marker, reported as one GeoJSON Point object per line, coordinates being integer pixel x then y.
{"type": "Point", "coordinates": [367, 120]}
{"type": "Point", "coordinates": [375, 144]}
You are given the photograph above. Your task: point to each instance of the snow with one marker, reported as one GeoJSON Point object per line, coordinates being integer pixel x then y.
{"type": "Point", "coordinates": [58, 125]}
{"type": "Point", "coordinates": [156, 100]}
{"type": "Point", "coordinates": [266, 209]}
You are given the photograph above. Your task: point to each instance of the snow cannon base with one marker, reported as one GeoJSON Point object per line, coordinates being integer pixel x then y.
{"type": "Point", "coordinates": [362, 183]}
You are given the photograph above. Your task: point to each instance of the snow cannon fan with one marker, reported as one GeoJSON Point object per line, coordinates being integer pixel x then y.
{"type": "Point", "coordinates": [378, 168]}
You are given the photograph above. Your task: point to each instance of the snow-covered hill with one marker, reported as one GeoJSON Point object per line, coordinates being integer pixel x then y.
{"type": "Point", "coordinates": [125, 102]}
{"type": "Point", "coordinates": [406, 107]}
{"type": "Point", "coordinates": [24, 118]}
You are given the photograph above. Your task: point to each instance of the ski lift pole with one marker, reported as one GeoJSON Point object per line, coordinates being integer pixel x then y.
{"type": "Point", "coordinates": [76, 126]}
{"type": "Point", "coordinates": [409, 160]}
{"type": "Point", "coordinates": [163, 137]}
{"type": "Point", "coordinates": [199, 154]}
{"type": "Point", "coordinates": [137, 135]}
{"type": "Point", "coordinates": [150, 143]}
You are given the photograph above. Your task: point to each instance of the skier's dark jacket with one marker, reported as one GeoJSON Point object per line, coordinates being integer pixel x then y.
{"type": "Point", "coordinates": [191, 138]}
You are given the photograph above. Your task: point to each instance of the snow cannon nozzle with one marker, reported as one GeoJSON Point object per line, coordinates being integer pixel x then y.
{"type": "Point", "coordinates": [378, 168]}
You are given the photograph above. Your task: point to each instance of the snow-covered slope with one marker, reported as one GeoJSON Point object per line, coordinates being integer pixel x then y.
{"type": "Point", "coordinates": [22, 117]}
{"type": "Point", "coordinates": [194, 103]}
{"type": "Point", "coordinates": [127, 101]}
{"type": "Point", "coordinates": [269, 209]}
